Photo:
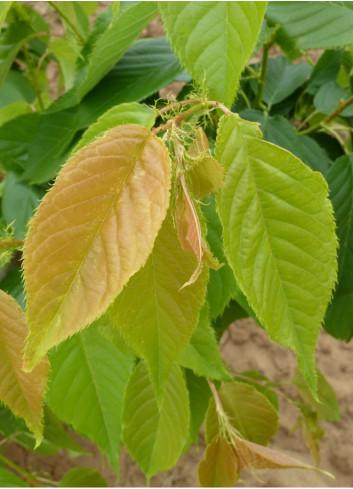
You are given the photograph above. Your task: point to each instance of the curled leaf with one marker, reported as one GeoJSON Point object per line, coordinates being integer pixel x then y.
{"type": "Point", "coordinates": [189, 229]}
{"type": "Point", "coordinates": [190, 233]}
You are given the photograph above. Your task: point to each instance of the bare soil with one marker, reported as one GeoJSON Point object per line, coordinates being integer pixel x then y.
{"type": "Point", "coordinates": [244, 346]}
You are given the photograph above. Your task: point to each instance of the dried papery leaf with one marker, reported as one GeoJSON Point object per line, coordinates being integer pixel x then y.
{"type": "Point", "coordinates": [94, 229]}
{"type": "Point", "coordinates": [21, 391]}
{"type": "Point", "coordinates": [219, 468]}
{"type": "Point", "coordinates": [256, 456]}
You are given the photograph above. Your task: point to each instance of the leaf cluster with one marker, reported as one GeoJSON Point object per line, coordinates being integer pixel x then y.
{"type": "Point", "coordinates": [147, 226]}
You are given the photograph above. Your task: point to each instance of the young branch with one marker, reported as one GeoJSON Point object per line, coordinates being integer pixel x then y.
{"type": "Point", "coordinates": [199, 105]}
{"type": "Point", "coordinates": [26, 476]}
{"type": "Point", "coordinates": [179, 118]}
{"type": "Point", "coordinates": [339, 109]}
{"type": "Point", "coordinates": [11, 244]}
{"type": "Point", "coordinates": [330, 117]}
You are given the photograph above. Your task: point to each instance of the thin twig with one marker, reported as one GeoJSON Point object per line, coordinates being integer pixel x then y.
{"type": "Point", "coordinates": [208, 103]}
{"type": "Point", "coordinates": [199, 105]}
{"type": "Point", "coordinates": [27, 477]}
{"type": "Point", "coordinates": [179, 118]}
{"type": "Point", "coordinates": [11, 244]}
{"type": "Point", "coordinates": [339, 109]}
{"type": "Point", "coordinates": [329, 118]}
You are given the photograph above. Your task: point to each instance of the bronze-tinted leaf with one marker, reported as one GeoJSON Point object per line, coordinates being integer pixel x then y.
{"type": "Point", "coordinates": [94, 229]}
{"type": "Point", "coordinates": [259, 457]}
{"type": "Point", "coordinates": [205, 174]}
{"type": "Point", "coordinates": [189, 229]}
{"type": "Point", "coordinates": [219, 468]}
{"type": "Point", "coordinates": [21, 391]}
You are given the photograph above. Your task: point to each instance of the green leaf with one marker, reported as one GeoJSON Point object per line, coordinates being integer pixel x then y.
{"type": "Point", "coordinates": [222, 282]}
{"type": "Point", "coordinates": [338, 321]}
{"type": "Point", "coordinates": [154, 434]}
{"type": "Point", "coordinates": [340, 181]}
{"type": "Point", "coordinates": [78, 19]}
{"type": "Point", "coordinates": [89, 7]}
{"type": "Point", "coordinates": [110, 330]}
{"type": "Point", "coordinates": [199, 396]}
{"type": "Point", "coordinates": [14, 110]}
{"type": "Point", "coordinates": [131, 113]}
{"type": "Point", "coordinates": [148, 66]}
{"type": "Point", "coordinates": [54, 437]}
{"type": "Point", "coordinates": [201, 354]}
{"type": "Point", "coordinates": [204, 174]}
{"type": "Point", "coordinates": [82, 477]}
{"type": "Point", "coordinates": [329, 96]}
{"type": "Point", "coordinates": [55, 433]}
{"type": "Point", "coordinates": [16, 137]}
{"type": "Point", "coordinates": [16, 87]}
{"type": "Point", "coordinates": [107, 50]}
{"type": "Point", "coordinates": [278, 130]}
{"type": "Point", "coordinates": [92, 399]}
{"type": "Point", "coordinates": [327, 408]}
{"type": "Point", "coordinates": [214, 40]}
{"type": "Point", "coordinates": [325, 70]}
{"type": "Point", "coordinates": [66, 57]}
{"type": "Point", "coordinates": [231, 313]}
{"type": "Point", "coordinates": [4, 8]}
{"type": "Point", "coordinates": [12, 284]}
{"type": "Point", "coordinates": [283, 78]}
{"type": "Point", "coordinates": [270, 395]}
{"type": "Point", "coordinates": [161, 322]}
{"type": "Point", "coordinates": [313, 25]}
{"type": "Point", "coordinates": [7, 478]}
{"type": "Point", "coordinates": [52, 137]}
{"type": "Point", "coordinates": [101, 219]}
{"type": "Point", "coordinates": [248, 411]}
{"type": "Point", "coordinates": [219, 468]}
{"type": "Point", "coordinates": [279, 236]}
{"type": "Point", "coordinates": [18, 203]}
{"type": "Point", "coordinates": [11, 41]}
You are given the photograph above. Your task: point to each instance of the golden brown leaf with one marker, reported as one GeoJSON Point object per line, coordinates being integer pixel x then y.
{"type": "Point", "coordinates": [94, 229]}
{"type": "Point", "coordinates": [205, 173]}
{"type": "Point", "coordinates": [189, 229]}
{"type": "Point", "coordinates": [219, 468]}
{"type": "Point", "coordinates": [257, 456]}
{"type": "Point", "coordinates": [22, 392]}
